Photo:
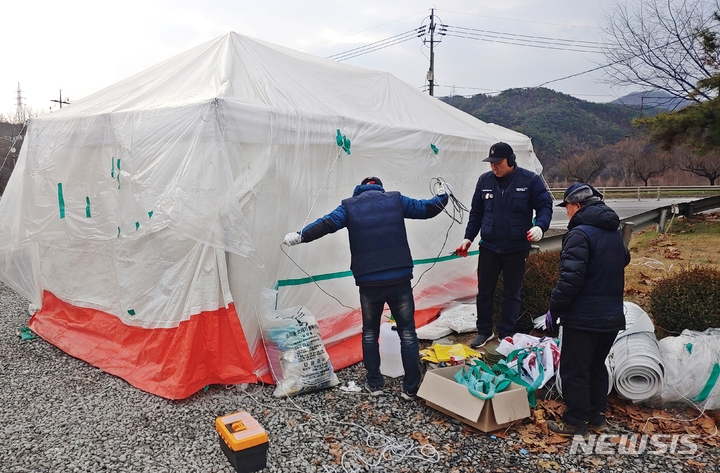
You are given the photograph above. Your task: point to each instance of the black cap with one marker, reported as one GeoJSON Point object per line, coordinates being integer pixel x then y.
{"type": "Point", "coordinates": [371, 180]}
{"type": "Point", "coordinates": [498, 152]}
{"type": "Point", "coordinates": [578, 193]}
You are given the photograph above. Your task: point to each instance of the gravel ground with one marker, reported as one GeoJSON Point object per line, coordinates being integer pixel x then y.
{"type": "Point", "coordinates": [59, 414]}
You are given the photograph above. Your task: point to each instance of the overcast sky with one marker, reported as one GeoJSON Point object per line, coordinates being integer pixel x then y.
{"type": "Point", "coordinates": [82, 46]}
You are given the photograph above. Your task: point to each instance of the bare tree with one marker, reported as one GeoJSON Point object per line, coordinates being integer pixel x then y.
{"type": "Point", "coordinates": [647, 160]}
{"type": "Point", "coordinates": [581, 166]}
{"type": "Point", "coordinates": [617, 166]}
{"type": "Point", "coordinates": [704, 165]}
{"type": "Point", "coordinates": [657, 44]}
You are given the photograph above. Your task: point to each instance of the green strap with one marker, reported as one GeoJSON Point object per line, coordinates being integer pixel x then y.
{"type": "Point", "coordinates": [481, 381]}
{"type": "Point", "coordinates": [515, 375]}
{"type": "Point", "coordinates": [710, 384]}
{"type": "Point", "coordinates": [87, 206]}
{"type": "Point", "coordinates": [346, 274]}
{"type": "Point", "coordinates": [61, 200]}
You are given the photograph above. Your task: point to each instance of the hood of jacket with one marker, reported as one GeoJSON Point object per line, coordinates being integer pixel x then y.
{"type": "Point", "coordinates": [360, 188]}
{"type": "Point", "coordinates": [596, 214]}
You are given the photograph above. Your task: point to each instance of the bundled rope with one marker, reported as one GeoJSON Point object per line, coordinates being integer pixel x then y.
{"type": "Point", "coordinates": [634, 359]}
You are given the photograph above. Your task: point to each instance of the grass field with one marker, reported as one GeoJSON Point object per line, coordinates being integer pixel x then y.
{"type": "Point", "coordinates": [687, 243]}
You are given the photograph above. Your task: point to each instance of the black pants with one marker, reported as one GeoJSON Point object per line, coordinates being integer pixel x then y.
{"type": "Point", "coordinates": [512, 267]}
{"type": "Point", "coordinates": [583, 373]}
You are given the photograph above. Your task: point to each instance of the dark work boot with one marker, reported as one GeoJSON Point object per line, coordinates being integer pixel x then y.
{"type": "Point", "coordinates": [567, 430]}
{"type": "Point", "coordinates": [597, 422]}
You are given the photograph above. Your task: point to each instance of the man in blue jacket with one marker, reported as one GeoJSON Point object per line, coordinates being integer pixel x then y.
{"type": "Point", "coordinates": [502, 213]}
{"type": "Point", "coordinates": [588, 301]}
{"type": "Point", "coordinates": [382, 267]}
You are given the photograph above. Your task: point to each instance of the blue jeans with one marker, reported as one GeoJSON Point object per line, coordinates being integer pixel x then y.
{"type": "Point", "coordinates": [399, 298]}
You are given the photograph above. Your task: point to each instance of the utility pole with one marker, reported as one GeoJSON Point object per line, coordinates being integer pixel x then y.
{"type": "Point", "coordinates": [61, 100]}
{"type": "Point", "coordinates": [441, 32]}
{"type": "Point", "coordinates": [431, 71]}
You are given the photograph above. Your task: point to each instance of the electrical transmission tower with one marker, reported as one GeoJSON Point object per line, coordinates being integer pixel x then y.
{"type": "Point", "coordinates": [20, 108]}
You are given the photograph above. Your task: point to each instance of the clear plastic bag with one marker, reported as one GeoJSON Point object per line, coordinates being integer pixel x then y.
{"type": "Point", "coordinates": [298, 359]}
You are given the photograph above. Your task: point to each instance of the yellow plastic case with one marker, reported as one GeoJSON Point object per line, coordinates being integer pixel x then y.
{"type": "Point", "coordinates": [240, 431]}
{"type": "Point", "coordinates": [243, 441]}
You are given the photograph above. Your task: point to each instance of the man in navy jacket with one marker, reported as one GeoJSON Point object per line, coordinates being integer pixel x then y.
{"type": "Point", "coordinates": [588, 301]}
{"type": "Point", "coordinates": [382, 267]}
{"type": "Point", "coordinates": [502, 213]}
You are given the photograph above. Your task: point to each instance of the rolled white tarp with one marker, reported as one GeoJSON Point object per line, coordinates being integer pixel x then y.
{"type": "Point", "coordinates": [635, 361]}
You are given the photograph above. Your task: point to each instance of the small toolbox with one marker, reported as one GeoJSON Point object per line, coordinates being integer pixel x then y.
{"type": "Point", "coordinates": [243, 440]}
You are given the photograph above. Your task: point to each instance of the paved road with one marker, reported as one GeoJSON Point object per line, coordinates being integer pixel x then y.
{"type": "Point", "coordinates": [624, 208]}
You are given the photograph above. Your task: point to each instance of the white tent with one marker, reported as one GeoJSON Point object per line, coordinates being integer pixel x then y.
{"type": "Point", "coordinates": [145, 220]}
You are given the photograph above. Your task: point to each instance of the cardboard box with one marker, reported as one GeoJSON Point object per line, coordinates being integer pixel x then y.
{"type": "Point", "coordinates": [442, 393]}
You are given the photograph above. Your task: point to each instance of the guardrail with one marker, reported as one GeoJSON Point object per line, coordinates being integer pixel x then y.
{"type": "Point", "coordinates": [643, 220]}
{"type": "Point", "coordinates": [648, 192]}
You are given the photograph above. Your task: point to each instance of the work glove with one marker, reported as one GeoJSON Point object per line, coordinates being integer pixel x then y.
{"type": "Point", "coordinates": [546, 323]}
{"type": "Point", "coordinates": [462, 250]}
{"type": "Point", "coordinates": [292, 239]}
{"type": "Point", "coordinates": [534, 234]}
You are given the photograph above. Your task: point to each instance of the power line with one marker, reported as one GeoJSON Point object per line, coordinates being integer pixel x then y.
{"type": "Point", "coordinates": [516, 40]}
{"type": "Point", "coordinates": [521, 21]}
{"type": "Point", "coordinates": [361, 31]}
{"type": "Point", "coordinates": [377, 45]}
{"type": "Point", "coordinates": [589, 43]}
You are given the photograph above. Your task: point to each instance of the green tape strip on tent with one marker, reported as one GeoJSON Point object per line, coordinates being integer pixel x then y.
{"type": "Point", "coordinates": [150, 214]}
{"type": "Point", "coordinates": [61, 200]}
{"type": "Point", "coordinates": [345, 274]}
{"type": "Point", "coordinates": [342, 141]}
{"type": "Point", "coordinates": [87, 207]}
{"type": "Point", "coordinates": [137, 225]}
{"type": "Point", "coordinates": [118, 174]}
{"type": "Point", "coordinates": [434, 148]}
{"type": "Point", "coordinates": [112, 169]}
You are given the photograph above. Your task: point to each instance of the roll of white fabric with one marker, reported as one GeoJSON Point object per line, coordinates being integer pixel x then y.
{"type": "Point", "coordinates": [635, 362]}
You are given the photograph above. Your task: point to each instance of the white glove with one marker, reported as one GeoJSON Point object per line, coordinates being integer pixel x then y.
{"type": "Point", "coordinates": [292, 239]}
{"type": "Point", "coordinates": [535, 234]}
{"type": "Point", "coordinates": [462, 249]}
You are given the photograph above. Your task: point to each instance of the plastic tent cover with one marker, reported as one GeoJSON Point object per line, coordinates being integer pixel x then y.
{"type": "Point", "coordinates": [146, 219]}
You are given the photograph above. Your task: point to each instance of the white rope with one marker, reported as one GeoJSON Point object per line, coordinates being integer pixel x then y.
{"type": "Point", "coordinates": [321, 188]}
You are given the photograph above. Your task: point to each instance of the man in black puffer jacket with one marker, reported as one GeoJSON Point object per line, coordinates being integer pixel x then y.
{"type": "Point", "coordinates": [588, 301]}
